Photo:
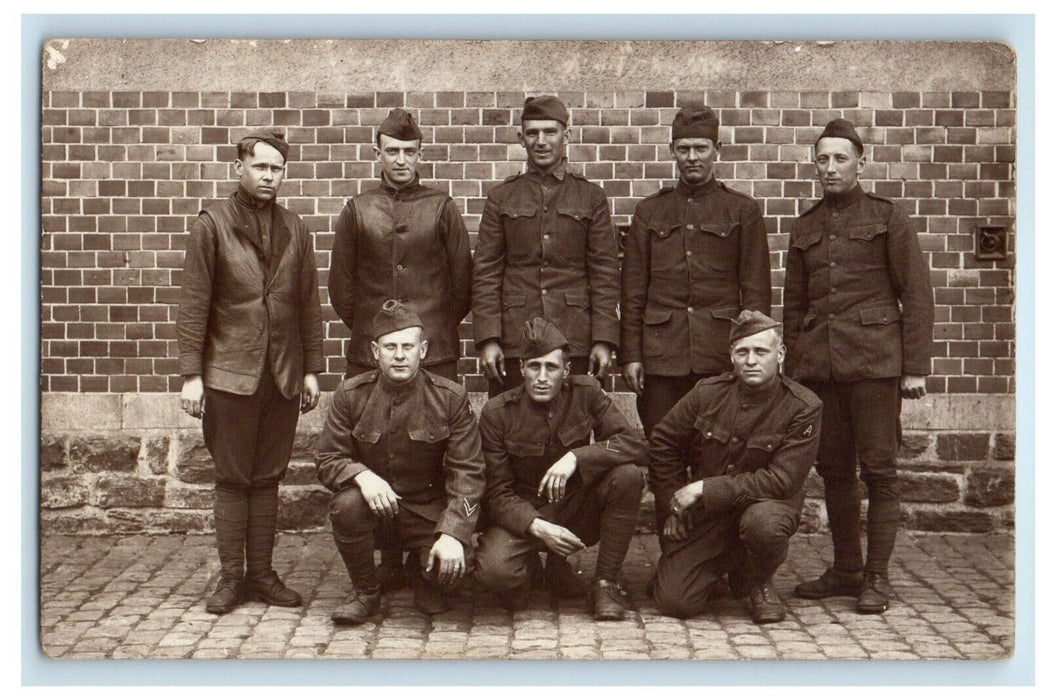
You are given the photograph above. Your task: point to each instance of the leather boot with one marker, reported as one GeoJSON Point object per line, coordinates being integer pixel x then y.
{"type": "Point", "coordinates": [227, 596]}
{"type": "Point", "coordinates": [390, 573]}
{"type": "Point", "coordinates": [562, 579]}
{"type": "Point", "coordinates": [830, 583]}
{"type": "Point", "coordinates": [874, 598]}
{"type": "Point", "coordinates": [765, 604]}
{"type": "Point", "coordinates": [429, 598]}
{"type": "Point", "coordinates": [269, 589]}
{"type": "Point", "coordinates": [606, 600]}
{"type": "Point", "coordinates": [357, 608]}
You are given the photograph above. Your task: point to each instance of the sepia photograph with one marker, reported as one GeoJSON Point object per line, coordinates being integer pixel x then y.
{"type": "Point", "coordinates": [504, 349]}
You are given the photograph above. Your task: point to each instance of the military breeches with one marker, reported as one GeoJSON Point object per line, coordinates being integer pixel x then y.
{"type": "Point", "coordinates": [250, 437]}
{"type": "Point", "coordinates": [351, 517]}
{"type": "Point", "coordinates": [605, 511]}
{"type": "Point", "coordinates": [754, 545]}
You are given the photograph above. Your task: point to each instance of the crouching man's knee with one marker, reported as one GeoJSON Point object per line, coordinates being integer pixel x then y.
{"type": "Point", "coordinates": [674, 595]}
{"type": "Point", "coordinates": [350, 516]}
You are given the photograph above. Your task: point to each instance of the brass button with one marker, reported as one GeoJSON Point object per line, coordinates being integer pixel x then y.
{"type": "Point", "coordinates": [833, 237]}
{"type": "Point", "coordinates": [544, 292]}
{"type": "Point", "coordinates": [400, 267]}
{"type": "Point", "coordinates": [735, 439]}
{"type": "Point", "coordinates": [834, 214]}
{"type": "Point", "coordinates": [688, 252]}
{"type": "Point", "coordinates": [691, 310]}
{"type": "Point", "coordinates": [833, 264]}
{"type": "Point", "coordinates": [546, 236]}
{"type": "Point", "coordinates": [710, 434]}
{"type": "Point", "coordinates": [690, 227]}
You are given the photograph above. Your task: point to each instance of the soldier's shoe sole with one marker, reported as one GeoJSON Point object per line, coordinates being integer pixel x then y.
{"type": "Point", "coordinates": [255, 597]}
{"type": "Point", "coordinates": [348, 619]}
{"type": "Point", "coordinates": [220, 609]}
{"type": "Point", "coordinates": [876, 609]}
{"type": "Point", "coordinates": [848, 591]}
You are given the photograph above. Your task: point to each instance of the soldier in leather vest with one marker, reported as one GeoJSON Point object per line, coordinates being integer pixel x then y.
{"type": "Point", "coordinates": [250, 348]}
{"type": "Point", "coordinates": [853, 262]}
{"type": "Point", "coordinates": [695, 255]}
{"type": "Point", "coordinates": [545, 248]}
{"type": "Point", "coordinates": [401, 240]}
{"type": "Point", "coordinates": [401, 452]}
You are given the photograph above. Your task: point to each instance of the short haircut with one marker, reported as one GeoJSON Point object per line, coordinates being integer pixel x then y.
{"type": "Point", "coordinates": [856, 147]}
{"type": "Point", "coordinates": [777, 329]}
{"type": "Point", "coordinates": [246, 147]}
{"type": "Point", "coordinates": [379, 135]}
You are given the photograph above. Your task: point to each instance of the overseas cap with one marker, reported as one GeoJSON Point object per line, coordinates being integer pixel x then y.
{"type": "Point", "coordinates": [544, 107]}
{"type": "Point", "coordinates": [542, 338]}
{"type": "Point", "coordinates": [393, 316]}
{"type": "Point", "coordinates": [842, 129]}
{"type": "Point", "coordinates": [270, 138]}
{"type": "Point", "coordinates": [750, 323]}
{"type": "Point", "coordinates": [400, 125]}
{"type": "Point", "coordinates": [693, 122]}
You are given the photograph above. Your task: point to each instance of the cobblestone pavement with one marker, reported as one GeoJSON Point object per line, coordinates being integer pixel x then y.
{"type": "Point", "coordinates": [142, 596]}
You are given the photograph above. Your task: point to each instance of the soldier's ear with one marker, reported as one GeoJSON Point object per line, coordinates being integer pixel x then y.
{"type": "Point", "coordinates": [860, 163]}
{"type": "Point", "coordinates": [377, 151]}
{"type": "Point", "coordinates": [238, 167]}
{"type": "Point", "coordinates": [423, 347]}
{"type": "Point", "coordinates": [375, 350]}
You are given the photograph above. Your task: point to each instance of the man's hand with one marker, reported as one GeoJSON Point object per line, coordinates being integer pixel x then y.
{"type": "Point", "coordinates": [559, 540]}
{"type": "Point", "coordinates": [600, 359]}
{"type": "Point", "coordinates": [447, 553]}
{"type": "Point", "coordinates": [557, 477]}
{"type": "Point", "coordinates": [193, 395]}
{"type": "Point", "coordinates": [675, 528]}
{"type": "Point", "coordinates": [686, 497]}
{"type": "Point", "coordinates": [912, 386]}
{"type": "Point", "coordinates": [634, 376]}
{"type": "Point", "coordinates": [493, 363]}
{"type": "Point", "coordinates": [311, 393]}
{"type": "Point", "coordinates": [378, 494]}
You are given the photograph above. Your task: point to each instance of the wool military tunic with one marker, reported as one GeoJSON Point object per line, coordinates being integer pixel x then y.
{"type": "Point", "coordinates": [853, 259]}
{"type": "Point", "coordinates": [546, 247]}
{"type": "Point", "coordinates": [745, 445]}
{"type": "Point", "coordinates": [420, 437]}
{"type": "Point", "coordinates": [694, 257]}
{"type": "Point", "coordinates": [522, 440]}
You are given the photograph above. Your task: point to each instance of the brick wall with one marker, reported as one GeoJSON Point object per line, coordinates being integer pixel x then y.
{"type": "Point", "coordinates": [125, 172]}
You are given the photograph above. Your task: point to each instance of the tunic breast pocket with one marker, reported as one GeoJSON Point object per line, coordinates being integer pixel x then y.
{"type": "Point", "coordinates": [668, 247]}
{"type": "Point", "coordinates": [573, 227]}
{"type": "Point", "coordinates": [759, 450]}
{"type": "Point", "coordinates": [718, 246]}
{"type": "Point", "coordinates": [709, 448]}
{"type": "Point", "coordinates": [522, 231]}
{"type": "Point", "coordinates": [867, 245]}
{"type": "Point", "coordinates": [428, 445]}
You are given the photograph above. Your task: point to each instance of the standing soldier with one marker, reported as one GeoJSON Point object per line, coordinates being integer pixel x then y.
{"type": "Point", "coordinates": [401, 452]}
{"type": "Point", "coordinates": [402, 241]}
{"type": "Point", "coordinates": [250, 348]}
{"type": "Point", "coordinates": [728, 464]}
{"type": "Point", "coordinates": [549, 488]}
{"type": "Point", "coordinates": [853, 260]}
{"type": "Point", "coordinates": [696, 254]}
{"type": "Point", "coordinates": [545, 248]}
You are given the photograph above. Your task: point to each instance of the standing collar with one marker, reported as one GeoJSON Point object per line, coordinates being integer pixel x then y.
{"type": "Point", "coordinates": [693, 190]}
{"type": "Point", "coordinates": [759, 393]}
{"type": "Point", "coordinates": [248, 202]}
{"type": "Point", "coordinates": [399, 390]}
{"type": "Point", "coordinates": [845, 199]}
{"type": "Point", "coordinates": [388, 187]}
{"type": "Point", "coordinates": [557, 172]}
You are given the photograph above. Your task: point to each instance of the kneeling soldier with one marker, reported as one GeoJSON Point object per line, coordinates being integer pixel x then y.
{"type": "Point", "coordinates": [549, 488]}
{"type": "Point", "coordinates": [402, 453]}
{"type": "Point", "coordinates": [727, 466]}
